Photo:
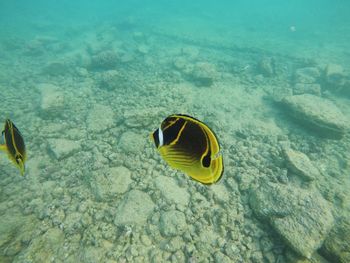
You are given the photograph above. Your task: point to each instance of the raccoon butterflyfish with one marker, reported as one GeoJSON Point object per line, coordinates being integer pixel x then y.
{"type": "Point", "coordinates": [190, 146]}
{"type": "Point", "coordinates": [14, 145]}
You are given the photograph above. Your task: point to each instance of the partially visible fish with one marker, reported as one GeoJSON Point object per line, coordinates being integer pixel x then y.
{"type": "Point", "coordinates": [14, 145]}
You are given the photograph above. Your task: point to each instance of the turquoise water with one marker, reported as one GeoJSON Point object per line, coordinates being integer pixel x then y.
{"type": "Point", "coordinates": [87, 83]}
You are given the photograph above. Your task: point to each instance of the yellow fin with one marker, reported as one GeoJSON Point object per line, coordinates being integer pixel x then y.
{"type": "Point", "coordinates": [3, 147]}
{"type": "Point", "coordinates": [176, 159]}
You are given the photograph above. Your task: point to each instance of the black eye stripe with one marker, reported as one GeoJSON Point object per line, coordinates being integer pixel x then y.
{"type": "Point", "coordinates": [156, 137]}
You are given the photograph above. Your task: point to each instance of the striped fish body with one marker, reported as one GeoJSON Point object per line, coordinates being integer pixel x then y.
{"type": "Point", "coordinates": [14, 145]}
{"type": "Point", "coordinates": [190, 146]}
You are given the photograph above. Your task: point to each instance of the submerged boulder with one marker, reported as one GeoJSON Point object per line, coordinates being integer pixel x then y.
{"type": "Point", "coordinates": [307, 75]}
{"type": "Point", "coordinates": [266, 66]}
{"type": "Point", "coordinates": [335, 77]}
{"type": "Point", "coordinates": [204, 74]}
{"type": "Point", "coordinates": [100, 118]}
{"type": "Point", "coordinates": [317, 113]}
{"type": "Point", "coordinates": [61, 148]}
{"type": "Point", "coordinates": [52, 100]}
{"type": "Point", "coordinates": [134, 209]}
{"type": "Point", "coordinates": [110, 80]}
{"type": "Point", "coordinates": [111, 182]}
{"type": "Point", "coordinates": [337, 244]}
{"type": "Point", "coordinates": [301, 217]}
{"type": "Point", "coordinates": [301, 165]}
{"type": "Point", "coordinates": [172, 223]}
{"type": "Point", "coordinates": [307, 88]}
{"type": "Point", "coordinates": [104, 60]}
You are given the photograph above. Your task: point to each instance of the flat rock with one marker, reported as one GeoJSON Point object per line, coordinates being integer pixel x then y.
{"type": "Point", "coordinates": [10, 226]}
{"type": "Point", "coordinates": [107, 59]}
{"type": "Point", "coordinates": [172, 192]}
{"type": "Point", "coordinates": [141, 118]}
{"type": "Point", "coordinates": [317, 113]}
{"type": "Point", "coordinates": [307, 88]}
{"type": "Point", "coordinates": [52, 98]}
{"type": "Point", "coordinates": [266, 66]}
{"type": "Point", "coordinates": [100, 118]}
{"type": "Point", "coordinates": [134, 209]}
{"type": "Point", "coordinates": [335, 76]}
{"type": "Point", "coordinates": [172, 223]}
{"type": "Point", "coordinates": [220, 193]}
{"type": "Point", "coordinates": [63, 148]}
{"type": "Point", "coordinates": [111, 182]}
{"type": "Point", "coordinates": [131, 142]}
{"type": "Point", "coordinates": [44, 247]}
{"type": "Point", "coordinates": [56, 68]}
{"type": "Point", "coordinates": [109, 79]}
{"type": "Point", "coordinates": [301, 217]}
{"type": "Point", "coordinates": [203, 74]}
{"type": "Point", "coordinates": [307, 75]}
{"type": "Point", "coordinates": [301, 165]}
{"type": "Point", "coordinates": [337, 244]}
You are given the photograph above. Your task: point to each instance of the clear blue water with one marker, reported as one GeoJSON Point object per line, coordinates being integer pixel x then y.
{"type": "Point", "coordinates": [87, 82]}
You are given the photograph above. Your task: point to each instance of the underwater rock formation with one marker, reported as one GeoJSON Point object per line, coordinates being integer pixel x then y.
{"type": "Point", "coordinates": [301, 217]}
{"type": "Point", "coordinates": [301, 165]}
{"type": "Point", "coordinates": [135, 208]}
{"type": "Point", "coordinates": [97, 124]}
{"type": "Point", "coordinates": [318, 114]}
{"type": "Point", "coordinates": [130, 142]}
{"type": "Point", "coordinates": [307, 75]}
{"type": "Point", "coordinates": [104, 60]}
{"type": "Point", "coordinates": [306, 81]}
{"type": "Point", "coordinates": [172, 223]}
{"type": "Point", "coordinates": [200, 73]}
{"type": "Point", "coordinates": [173, 193]}
{"type": "Point", "coordinates": [266, 66]}
{"type": "Point", "coordinates": [307, 88]}
{"type": "Point", "coordinates": [337, 245]}
{"type": "Point", "coordinates": [62, 148]}
{"type": "Point", "coordinates": [52, 100]}
{"type": "Point", "coordinates": [56, 68]}
{"type": "Point", "coordinates": [335, 77]}
{"type": "Point", "coordinates": [203, 74]}
{"type": "Point", "coordinates": [109, 80]}
{"type": "Point", "coordinates": [111, 182]}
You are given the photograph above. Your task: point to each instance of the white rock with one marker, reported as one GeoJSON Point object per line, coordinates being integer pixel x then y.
{"type": "Point", "coordinates": [220, 192]}
{"type": "Point", "coordinates": [52, 98]}
{"type": "Point", "coordinates": [134, 209]}
{"type": "Point", "coordinates": [63, 148]}
{"type": "Point", "coordinates": [302, 217]}
{"type": "Point", "coordinates": [112, 182]}
{"type": "Point", "coordinates": [100, 118]}
{"type": "Point", "coordinates": [171, 191]}
{"type": "Point", "coordinates": [300, 164]}
{"type": "Point", "coordinates": [172, 223]}
{"type": "Point", "coordinates": [131, 142]}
